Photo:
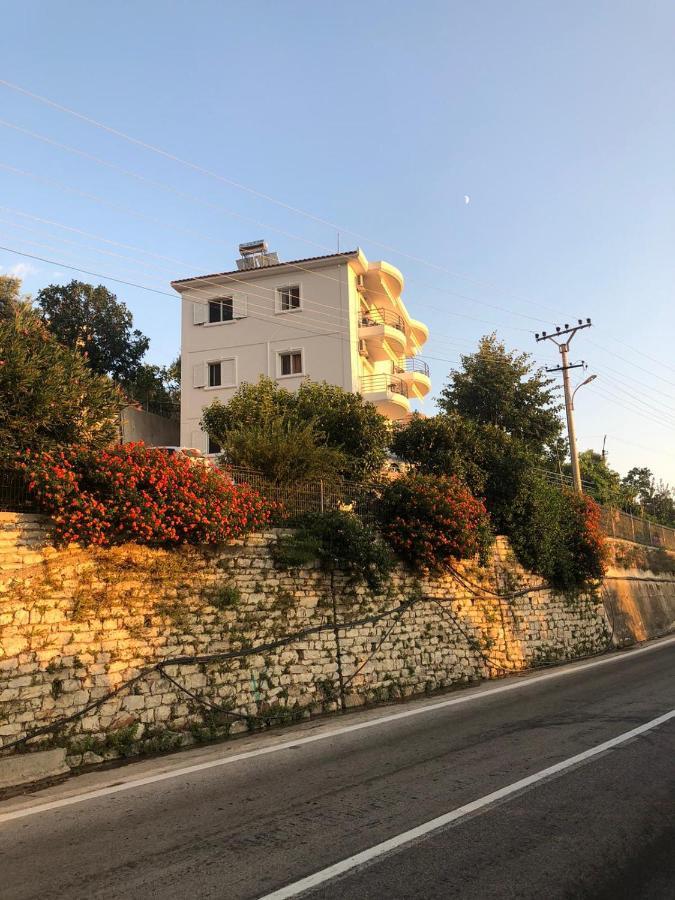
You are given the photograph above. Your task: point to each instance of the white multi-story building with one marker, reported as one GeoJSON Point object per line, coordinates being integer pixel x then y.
{"type": "Point", "coordinates": [336, 318]}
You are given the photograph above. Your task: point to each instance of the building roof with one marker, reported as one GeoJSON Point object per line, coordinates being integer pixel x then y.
{"type": "Point", "coordinates": [291, 262]}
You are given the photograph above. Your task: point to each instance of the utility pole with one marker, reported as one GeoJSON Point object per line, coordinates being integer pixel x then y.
{"type": "Point", "coordinates": [566, 334]}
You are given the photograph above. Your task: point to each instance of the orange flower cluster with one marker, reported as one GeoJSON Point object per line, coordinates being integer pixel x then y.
{"type": "Point", "coordinates": [141, 494]}
{"type": "Point", "coordinates": [590, 550]}
{"type": "Point", "coordinates": [431, 521]}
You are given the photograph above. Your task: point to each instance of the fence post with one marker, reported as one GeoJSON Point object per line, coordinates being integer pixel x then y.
{"type": "Point", "coordinates": [632, 527]}
{"type": "Point", "coordinates": [649, 532]}
{"type": "Point", "coordinates": [321, 494]}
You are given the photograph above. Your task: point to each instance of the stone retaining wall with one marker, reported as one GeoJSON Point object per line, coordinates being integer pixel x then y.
{"type": "Point", "coordinates": [77, 624]}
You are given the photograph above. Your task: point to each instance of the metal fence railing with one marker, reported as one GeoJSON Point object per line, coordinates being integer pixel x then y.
{"type": "Point", "coordinates": [311, 496]}
{"type": "Point", "coordinates": [14, 493]}
{"type": "Point", "coordinates": [375, 384]}
{"type": "Point", "coordinates": [619, 524]}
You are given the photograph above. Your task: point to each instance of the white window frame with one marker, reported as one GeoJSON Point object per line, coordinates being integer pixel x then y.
{"type": "Point", "coordinates": [281, 353]}
{"type": "Point", "coordinates": [213, 362]}
{"type": "Point", "coordinates": [220, 300]}
{"type": "Point", "coordinates": [278, 299]}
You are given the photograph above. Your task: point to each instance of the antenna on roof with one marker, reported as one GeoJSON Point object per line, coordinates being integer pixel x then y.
{"type": "Point", "coordinates": [254, 255]}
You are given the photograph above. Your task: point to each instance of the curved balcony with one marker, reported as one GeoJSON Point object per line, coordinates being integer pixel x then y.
{"type": "Point", "coordinates": [384, 332]}
{"type": "Point", "coordinates": [388, 393]}
{"type": "Point", "coordinates": [415, 373]}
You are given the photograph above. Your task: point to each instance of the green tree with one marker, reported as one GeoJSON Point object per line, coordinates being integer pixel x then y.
{"type": "Point", "coordinates": [11, 298]}
{"type": "Point", "coordinates": [653, 499]}
{"type": "Point", "coordinates": [601, 482]}
{"type": "Point", "coordinates": [503, 389]}
{"type": "Point", "coordinates": [91, 320]}
{"type": "Point", "coordinates": [338, 421]}
{"type": "Point", "coordinates": [489, 461]}
{"type": "Point", "coordinates": [283, 450]}
{"type": "Point", "coordinates": [445, 444]}
{"type": "Point", "coordinates": [556, 533]}
{"type": "Point", "coordinates": [156, 388]}
{"type": "Point", "coordinates": [348, 423]}
{"type": "Point", "coordinates": [48, 394]}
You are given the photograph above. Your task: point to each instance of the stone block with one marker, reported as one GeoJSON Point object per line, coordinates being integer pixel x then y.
{"type": "Point", "coordinates": [25, 768]}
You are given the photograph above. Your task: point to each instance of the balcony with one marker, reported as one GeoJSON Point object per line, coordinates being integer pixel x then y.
{"type": "Point", "coordinates": [415, 373]}
{"type": "Point", "coordinates": [384, 332]}
{"type": "Point", "coordinates": [388, 393]}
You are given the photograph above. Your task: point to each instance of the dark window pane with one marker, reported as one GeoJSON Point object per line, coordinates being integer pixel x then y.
{"type": "Point", "coordinates": [297, 363]}
{"type": "Point", "coordinates": [214, 375]}
{"type": "Point", "coordinates": [290, 297]}
{"type": "Point", "coordinates": [286, 364]}
{"type": "Point", "coordinates": [214, 311]}
{"type": "Point", "coordinates": [227, 309]}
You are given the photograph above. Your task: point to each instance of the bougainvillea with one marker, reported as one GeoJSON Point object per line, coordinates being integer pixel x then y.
{"type": "Point", "coordinates": [433, 521]}
{"type": "Point", "coordinates": [141, 494]}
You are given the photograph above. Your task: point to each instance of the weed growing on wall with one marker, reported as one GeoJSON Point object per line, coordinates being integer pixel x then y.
{"type": "Point", "coordinates": [339, 541]}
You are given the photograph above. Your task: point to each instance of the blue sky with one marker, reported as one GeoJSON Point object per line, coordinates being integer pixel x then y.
{"type": "Point", "coordinates": [555, 119]}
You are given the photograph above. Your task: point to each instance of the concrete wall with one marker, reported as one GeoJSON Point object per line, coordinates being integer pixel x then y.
{"type": "Point", "coordinates": [639, 592]}
{"type": "Point", "coordinates": [76, 624]}
{"type": "Point", "coordinates": [154, 430]}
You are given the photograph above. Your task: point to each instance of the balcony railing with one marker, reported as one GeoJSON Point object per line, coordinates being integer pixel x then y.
{"type": "Point", "coordinates": [379, 316]}
{"type": "Point", "coordinates": [411, 364]}
{"type": "Point", "coordinates": [376, 384]}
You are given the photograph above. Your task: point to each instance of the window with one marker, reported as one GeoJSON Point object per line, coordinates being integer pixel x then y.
{"type": "Point", "coordinates": [214, 446]}
{"type": "Point", "coordinates": [221, 310]}
{"type": "Point", "coordinates": [289, 297]}
{"type": "Point", "coordinates": [290, 363]}
{"type": "Point", "coordinates": [215, 374]}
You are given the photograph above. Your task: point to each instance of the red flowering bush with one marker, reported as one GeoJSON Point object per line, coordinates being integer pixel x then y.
{"type": "Point", "coordinates": [431, 521]}
{"type": "Point", "coordinates": [138, 493]}
{"type": "Point", "coordinates": [587, 539]}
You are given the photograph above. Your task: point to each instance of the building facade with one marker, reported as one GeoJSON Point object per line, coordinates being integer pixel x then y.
{"type": "Point", "coordinates": [336, 318]}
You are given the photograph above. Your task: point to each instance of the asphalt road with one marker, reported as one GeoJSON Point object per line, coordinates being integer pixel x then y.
{"type": "Point", "coordinates": [209, 823]}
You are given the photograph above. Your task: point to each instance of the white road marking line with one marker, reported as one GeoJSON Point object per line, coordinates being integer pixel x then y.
{"type": "Point", "coordinates": [22, 812]}
{"type": "Point", "coordinates": [407, 837]}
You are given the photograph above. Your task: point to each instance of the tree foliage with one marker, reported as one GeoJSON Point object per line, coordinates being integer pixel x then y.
{"type": "Point", "coordinates": [351, 435]}
{"type": "Point", "coordinates": [91, 320]}
{"type": "Point", "coordinates": [503, 388]}
{"type": "Point", "coordinates": [156, 389]}
{"type": "Point", "coordinates": [489, 461]}
{"type": "Point", "coordinates": [650, 498]}
{"type": "Point", "coordinates": [283, 450]}
{"type": "Point", "coordinates": [48, 395]}
{"type": "Point", "coordinates": [556, 533]}
{"type": "Point", "coordinates": [11, 298]}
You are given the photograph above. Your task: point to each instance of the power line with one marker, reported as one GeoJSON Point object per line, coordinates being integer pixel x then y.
{"type": "Point", "coordinates": [269, 198]}
{"type": "Point", "coordinates": [242, 187]}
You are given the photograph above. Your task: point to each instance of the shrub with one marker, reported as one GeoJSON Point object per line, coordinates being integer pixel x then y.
{"type": "Point", "coordinates": [432, 521]}
{"type": "Point", "coordinates": [339, 432]}
{"type": "Point", "coordinates": [339, 541]}
{"type": "Point", "coordinates": [284, 451]}
{"type": "Point", "coordinates": [48, 394]}
{"type": "Point", "coordinates": [138, 493]}
{"type": "Point", "coordinates": [556, 533]}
